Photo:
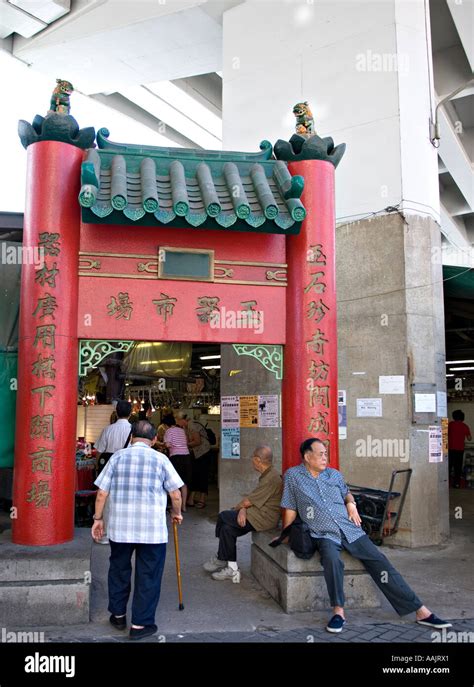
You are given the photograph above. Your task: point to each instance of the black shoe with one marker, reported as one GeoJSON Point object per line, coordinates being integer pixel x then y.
{"type": "Point", "coordinates": [119, 623]}
{"type": "Point", "coordinates": [336, 623]}
{"type": "Point", "coordinates": [433, 621]}
{"type": "Point", "coordinates": [146, 631]}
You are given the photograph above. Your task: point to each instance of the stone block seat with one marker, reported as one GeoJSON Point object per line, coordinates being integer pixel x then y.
{"type": "Point", "coordinates": [299, 585]}
{"type": "Point", "coordinates": [45, 585]}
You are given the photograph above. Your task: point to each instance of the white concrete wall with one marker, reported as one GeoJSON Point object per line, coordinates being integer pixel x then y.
{"type": "Point", "coordinates": [419, 165]}
{"type": "Point", "coordinates": [363, 68]}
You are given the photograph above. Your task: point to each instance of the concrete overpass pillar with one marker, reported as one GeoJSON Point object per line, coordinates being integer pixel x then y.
{"type": "Point", "coordinates": [365, 69]}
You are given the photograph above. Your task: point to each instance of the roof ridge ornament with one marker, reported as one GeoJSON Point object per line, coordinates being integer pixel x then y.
{"type": "Point", "coordinates": [103, 143]}
{"type": "Point", "coordinates": [58, 125]}
{"type": "Point", "coordinates": [305, 144]}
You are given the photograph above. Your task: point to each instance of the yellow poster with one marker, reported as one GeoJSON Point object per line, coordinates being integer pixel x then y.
{"type": "Point", "coordinates": [249, 411]}
{"type": "Point", "coordinates": [444, 435]}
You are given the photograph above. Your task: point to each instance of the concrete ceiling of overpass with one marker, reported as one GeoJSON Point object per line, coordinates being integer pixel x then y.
{"type": "Point", "coordinates": [459, 314]}
{"type": "Point", "coordinates": [103, 50]}
{"type": "Point", "coordinates": [117, 57]}
{"type": "Point", "coordinates": [443, 30]}
{"type": "Point", "coordinates": [465, 110]}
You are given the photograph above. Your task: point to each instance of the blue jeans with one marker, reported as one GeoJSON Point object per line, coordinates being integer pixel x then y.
{"type": "Point", "coordinates": [386, 577]}
{"type": "Point", "coordinates": [149, 565]}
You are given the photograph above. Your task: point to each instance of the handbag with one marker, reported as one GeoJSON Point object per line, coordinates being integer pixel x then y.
{"type": "Point", "coordinates": [300, 540]}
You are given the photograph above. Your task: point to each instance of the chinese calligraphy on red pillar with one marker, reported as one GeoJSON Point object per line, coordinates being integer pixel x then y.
{"type": "Point", "coordinates": [41, 429]}
{"type": "Point", "coordinates": [310, 353]}
{"type": "Point", "coordinates": [318, 370]}
{"type": "Point", "coordinates": [44, 475]}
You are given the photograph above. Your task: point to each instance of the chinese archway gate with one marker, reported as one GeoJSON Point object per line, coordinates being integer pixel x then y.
{"type": "Point", "coordinates": [101, 217]}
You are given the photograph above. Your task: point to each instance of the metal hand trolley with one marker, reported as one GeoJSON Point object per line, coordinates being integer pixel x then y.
{"type": "Point", "coordinates": [375, 507]}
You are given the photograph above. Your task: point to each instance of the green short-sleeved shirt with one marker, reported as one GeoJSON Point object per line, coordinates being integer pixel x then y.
{"type": "Point", "coordinates": [264, 513]}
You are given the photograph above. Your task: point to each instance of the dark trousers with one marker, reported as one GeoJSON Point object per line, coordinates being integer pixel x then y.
{"type": "Point", "coordinates": [386, 577]}
{"type": "Point", "coordinates": [455, 463]}
{"type": "Point", "coordinates": [200, 480]}
{"type": "Point", "coordinates": [149, 564]}
{"type": "Point", "coordinates": [228, 529]}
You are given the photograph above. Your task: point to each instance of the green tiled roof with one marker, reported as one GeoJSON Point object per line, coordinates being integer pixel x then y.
{"type": "Point", "coordinates": [216, 189]}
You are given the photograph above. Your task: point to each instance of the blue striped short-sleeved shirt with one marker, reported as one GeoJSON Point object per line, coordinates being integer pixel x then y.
{"type": "Point", "coordinates": [137, 480]}
{"type": "Point", "coordinates": [320, 503]}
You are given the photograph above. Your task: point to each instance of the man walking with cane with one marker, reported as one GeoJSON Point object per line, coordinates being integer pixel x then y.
{"type": "Point", "coordinates": [136, 481]}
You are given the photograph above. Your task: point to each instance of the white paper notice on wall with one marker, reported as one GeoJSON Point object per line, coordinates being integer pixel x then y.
{"type": "Point", "coordinates": [425, 403]}
{"type": "Point", "coordinates": [268, 410]}
{"type": "Point", "coordinates": [342, 413]}
{"type": "Point", "coordinates": [435, 444]}
{"type": "Point", "coordinates": [369, 407]}
{"type": "Point", "coordinates": [230, 443]}
{"type": "Point", "coordinates": [392, 384]}
{"type": "Point", "coordinates": [230, 411]}
{"type": "Point", "coordinates": [442, 403]}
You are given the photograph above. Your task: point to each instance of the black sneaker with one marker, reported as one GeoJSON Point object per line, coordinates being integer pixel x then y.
{"type": "Point", "coordinates": [433, 621]}
{"type": "Point", "coordinates": [146, 631]}
{"type": "Point", "coordinates": [119, 623]}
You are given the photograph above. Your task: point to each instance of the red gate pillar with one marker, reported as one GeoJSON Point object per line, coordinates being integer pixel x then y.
{"type": "Point", "coordinates": [310, 401]}
{"type": "Point", "coordinates": [44, 474]}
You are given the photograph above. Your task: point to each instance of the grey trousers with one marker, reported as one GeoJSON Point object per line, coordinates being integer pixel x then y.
{"type": "Point", "coordinates": [386, 577]}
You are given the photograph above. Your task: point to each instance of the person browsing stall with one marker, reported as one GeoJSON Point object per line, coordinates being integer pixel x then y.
{"type": "Point", "coordinates": [200, 445]}
{"type": "Point", "coordinates": [176, 442]}
{"type": "Point", "coordinates": [113, 437]}
{"type": "Point", "coordinates": [458, 432]}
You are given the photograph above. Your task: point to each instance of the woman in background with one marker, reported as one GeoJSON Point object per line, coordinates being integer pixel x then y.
{"type": "Point", "coordinates": [199, 443]}
{"type": "Point", "coordinates": [176, 442]}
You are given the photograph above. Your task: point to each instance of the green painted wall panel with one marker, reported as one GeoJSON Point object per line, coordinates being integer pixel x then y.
{"type": "Point", "coordinates": [8, 371]}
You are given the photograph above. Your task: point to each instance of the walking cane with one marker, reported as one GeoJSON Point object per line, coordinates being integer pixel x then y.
{"type": "Point", "coordinates": [178, 566]}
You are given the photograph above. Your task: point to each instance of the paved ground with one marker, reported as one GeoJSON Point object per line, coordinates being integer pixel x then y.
{"type": "Point", "coordinates": [226, 612]}
{"type": "Point", "coordinates": [375, 632]}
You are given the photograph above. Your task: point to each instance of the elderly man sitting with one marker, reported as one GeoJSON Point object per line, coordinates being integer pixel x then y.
{"type": "Point", "coordinates": [259, 511]}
